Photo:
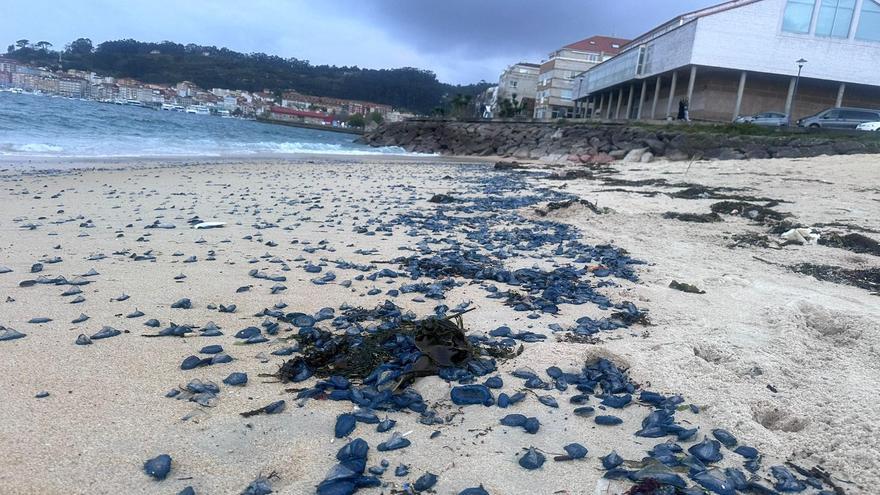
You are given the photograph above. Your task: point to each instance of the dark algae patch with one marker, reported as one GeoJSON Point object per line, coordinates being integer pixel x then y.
{"type": "Point", "coordinates": [868, 279]}
{"type": "Point", "coordinates": [856, 243]}
{"type": "Point", "coordinates": [693, 217]}
{"type": "Point", "coordinates": [757, 213]}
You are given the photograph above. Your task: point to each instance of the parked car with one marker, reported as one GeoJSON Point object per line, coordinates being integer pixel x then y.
{"type": "Point", "coordinates": [770, 119]}
{"type": "Point", "coordinates": [869, 126]}
{"type": "Point", "coordinates": [840, 118]}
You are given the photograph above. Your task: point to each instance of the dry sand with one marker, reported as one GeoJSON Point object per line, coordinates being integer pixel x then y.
{"type": "Point", "coordinates": [758, 325]}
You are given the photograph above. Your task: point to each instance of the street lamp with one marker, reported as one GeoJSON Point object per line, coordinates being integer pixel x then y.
{"type": "Point", "coordinates": [797, 82]}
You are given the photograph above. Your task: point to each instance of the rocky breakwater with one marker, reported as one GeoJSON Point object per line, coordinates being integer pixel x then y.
{"type": "Point", "coordinates": [603, 143]}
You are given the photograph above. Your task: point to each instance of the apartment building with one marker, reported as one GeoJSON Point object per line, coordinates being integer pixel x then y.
{"type": "Point", "coordinates": [554, 92]}
{"type": "Point", "coordinates": [519, 83]}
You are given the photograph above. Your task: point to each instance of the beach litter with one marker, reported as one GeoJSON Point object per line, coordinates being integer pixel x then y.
{"type": "Point", "coordinates": [209, 225]}
{"type": "Point", "coordinates": [800, 236]}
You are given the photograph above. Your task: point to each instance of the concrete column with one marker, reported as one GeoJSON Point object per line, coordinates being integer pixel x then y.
{"type": "Point", "coordinates": [619, 101]}
{"type": "Point", "coordinates": [671, 95]}
{"type": "Point", "coordinates": [840, 92]}
{"type": "Point", "coordinates": [642, 99]}
{"type": "Point", "coordinates": [629, 101]}
{"type": "Point", "coordinates": [789, 97]}
{"type": "Point", "coordinates": [598, 113]}
{"type": "Point", "coordinates": [691, 81]}
{"type": "Point", "coordinates": [739, 94]}
{"type": "Point", "coordinates": [656, 97]}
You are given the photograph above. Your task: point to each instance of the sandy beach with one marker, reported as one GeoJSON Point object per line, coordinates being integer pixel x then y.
{"type": "Point", "coordinates": [787, 363]}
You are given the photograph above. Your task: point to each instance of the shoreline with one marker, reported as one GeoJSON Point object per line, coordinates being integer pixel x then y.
{"type": "Point", "coordinates": [756, 354]}
{"type": "Point", "coordinates": [11, 164]}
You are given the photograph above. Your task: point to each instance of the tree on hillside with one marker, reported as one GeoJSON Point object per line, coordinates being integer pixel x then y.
{"type": "Point", "coordinates": [43, 46]}
{"type": "Point", "coordinates": [167, 62]}
{"type": "Point", "coordinates": [82, 46]}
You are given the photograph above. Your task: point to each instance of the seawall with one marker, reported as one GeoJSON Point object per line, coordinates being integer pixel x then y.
{"type": "Point", "coordinates": [601, 143]}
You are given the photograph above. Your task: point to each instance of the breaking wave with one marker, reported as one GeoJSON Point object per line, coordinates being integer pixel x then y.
{"type": "Point", "coordinates": [30, 148]}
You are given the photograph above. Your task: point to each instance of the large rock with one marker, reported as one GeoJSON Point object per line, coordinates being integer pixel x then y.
{"type": "Point", "coordinates": [635, 155]}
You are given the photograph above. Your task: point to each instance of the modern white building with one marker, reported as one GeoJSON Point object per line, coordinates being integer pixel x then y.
{"type": "Point", "coordinates": [741, 57]}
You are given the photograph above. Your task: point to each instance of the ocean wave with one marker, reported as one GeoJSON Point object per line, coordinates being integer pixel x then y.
{"type": "Point", "coordinates": [39, 148]}
{"type": "Point", "coordinates": [316, 148]}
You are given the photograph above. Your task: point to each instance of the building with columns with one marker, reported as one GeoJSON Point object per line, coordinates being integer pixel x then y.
{"type": "Point", "coordinates": [741, 57]}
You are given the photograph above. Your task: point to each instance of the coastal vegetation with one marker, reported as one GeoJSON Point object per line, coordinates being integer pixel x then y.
{"type": "Point", "coordinates": [167, 62]}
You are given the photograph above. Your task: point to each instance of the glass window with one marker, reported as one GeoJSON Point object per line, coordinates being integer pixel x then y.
{"type": "Point", "coordinates": [835, 17]}
{"type": "Point", "coordinates": [798, 16]}
{"type": "Point", "coordinates": [857, 115]}
{"type": "Point", "coordinates": [869, 24]}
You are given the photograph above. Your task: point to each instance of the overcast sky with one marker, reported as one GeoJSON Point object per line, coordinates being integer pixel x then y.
{"type": "Point", "coordinates": [462, 41]}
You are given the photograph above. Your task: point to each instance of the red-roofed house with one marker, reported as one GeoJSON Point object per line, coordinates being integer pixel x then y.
{"type": "Point", "coordinates": [556, 77]}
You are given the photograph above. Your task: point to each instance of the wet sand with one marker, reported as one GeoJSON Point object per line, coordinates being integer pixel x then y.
{"type": "Point", "coordinates": [787, 363]}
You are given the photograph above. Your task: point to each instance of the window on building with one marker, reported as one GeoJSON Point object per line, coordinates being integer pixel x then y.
{"type": "Point", "coordinates": [798, 16]}
{"type": "Point", "coordinates": [513, 84]}
{"type": "Point", "coordinates": [835, 18]}
{"type": "Point", "coordinates": [869, 23]}
{"type": "Point", "coordinates": [640, 67]}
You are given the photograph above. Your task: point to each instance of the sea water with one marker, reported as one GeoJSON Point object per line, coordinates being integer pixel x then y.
{"type": "Point", "coordinates": [44, 126]}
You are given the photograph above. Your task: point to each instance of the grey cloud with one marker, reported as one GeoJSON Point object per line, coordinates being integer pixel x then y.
{"type": "Point", "coordinates": [461, 40]}
{"type": "Point", "coordinates": [488, 28]}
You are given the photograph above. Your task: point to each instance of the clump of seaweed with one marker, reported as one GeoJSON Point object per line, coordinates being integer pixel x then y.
{"type": "Point", "coordinates": [856, 243]}
{"type": "Point", "coordinates": [395, 351]}
{"type": "Point", "coordinates": [751, 211]}
{"type": "Point", "coordinates": [868, 279]}
{"type": "Point", "coordinates": [693, 217]}
{"type": "Point", "coordinates": [561, 205]}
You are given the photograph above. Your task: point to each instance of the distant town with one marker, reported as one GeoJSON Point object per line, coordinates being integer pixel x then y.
{"type": "Point", "coordinates": [288, 107]}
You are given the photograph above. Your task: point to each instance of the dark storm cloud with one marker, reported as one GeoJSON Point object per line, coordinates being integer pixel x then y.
{"type": "Point", "coordinates": [488, 28]}
{"type": "Point", "coordinates": [461, 40]}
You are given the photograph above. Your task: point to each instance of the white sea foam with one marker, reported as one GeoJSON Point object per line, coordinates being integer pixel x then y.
{"type": "Point", "coordinates": [30, 148]}
{"type": "Point", "coordinates": [317, 148]}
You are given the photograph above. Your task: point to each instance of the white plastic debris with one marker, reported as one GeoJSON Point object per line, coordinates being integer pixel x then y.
{"type": "Point", "coordinates": [801, 236]}
{"type": "Point", "coordinates": [210, 225]}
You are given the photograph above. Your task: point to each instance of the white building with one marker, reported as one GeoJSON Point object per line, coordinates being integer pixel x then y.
{"type": "Point", "coordinates": [740, 57]}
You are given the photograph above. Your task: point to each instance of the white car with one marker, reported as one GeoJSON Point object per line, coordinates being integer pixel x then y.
{"type": "Point", "coordinates": [869, 126]}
